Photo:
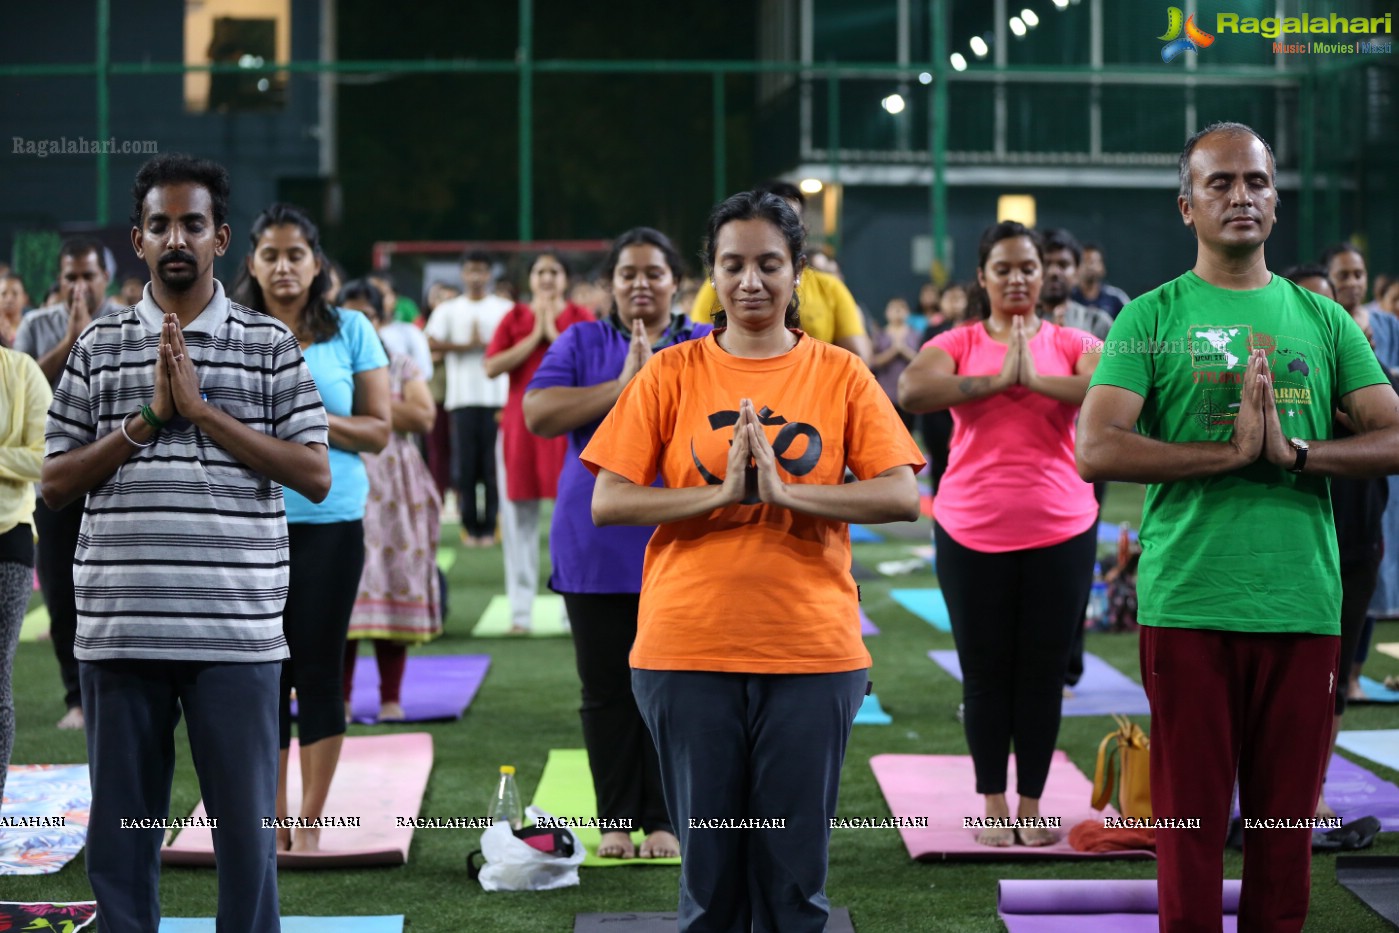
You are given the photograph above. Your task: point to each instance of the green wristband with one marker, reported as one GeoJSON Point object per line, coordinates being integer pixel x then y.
{"type": "Point", "coordinates": [148, 416]}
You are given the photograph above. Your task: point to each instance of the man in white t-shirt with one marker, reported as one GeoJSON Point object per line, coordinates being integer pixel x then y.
{"type": "Point", "coordinates": [461, 329]}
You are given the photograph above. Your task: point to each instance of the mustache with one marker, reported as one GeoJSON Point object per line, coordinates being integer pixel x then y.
{"type": "Point", "coordinates": [177, 256]}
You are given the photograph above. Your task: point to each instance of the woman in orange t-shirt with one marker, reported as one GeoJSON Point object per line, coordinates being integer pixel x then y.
{"type": "Point", "coordinates": [749, 682]}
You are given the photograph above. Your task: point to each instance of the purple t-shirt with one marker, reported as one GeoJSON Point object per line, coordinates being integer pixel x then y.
{"type": "Point", "coordinates": [588, 559]}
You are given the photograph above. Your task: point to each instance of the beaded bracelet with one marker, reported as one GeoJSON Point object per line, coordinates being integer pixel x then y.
{"type": "Point", "coordinates": [133, 443]}
{"type": "Point", "coordinates": [148, 415]}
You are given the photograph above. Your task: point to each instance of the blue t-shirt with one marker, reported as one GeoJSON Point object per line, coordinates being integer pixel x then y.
{"type": "Point", "coordinates": [333, 364]}
{"type": "Point", "coordinates": [588, 559]}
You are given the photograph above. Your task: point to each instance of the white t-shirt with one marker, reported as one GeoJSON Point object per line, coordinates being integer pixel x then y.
{"type": "Point", "coordinates": [451, 322]}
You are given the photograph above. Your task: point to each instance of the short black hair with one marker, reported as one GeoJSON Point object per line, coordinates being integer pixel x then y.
{"type": "Point", "coordinates": [1331, 252]}
{"type": "Point", "coordinates": [1308, 270]}
{"type": "Point", "coordinates": [1228, 128]}
{"type": "Point", "coordinates": [1059, 238]}
{"type": "Point", "coordinates": [177, 168]}
{"type": "Point", "coordinates": [477, 255]}
{"type": "Point", "coordinates": [784, 190]}
{"type": "Point", "coordinates": [76, 247]}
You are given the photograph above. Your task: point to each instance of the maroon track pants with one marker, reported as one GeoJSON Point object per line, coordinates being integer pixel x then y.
{"type": "Point", "coordinates": [1227, 703]}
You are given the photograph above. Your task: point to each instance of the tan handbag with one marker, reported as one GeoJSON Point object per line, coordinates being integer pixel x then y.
{"type": "Point", "coordinates": [1129, 755]}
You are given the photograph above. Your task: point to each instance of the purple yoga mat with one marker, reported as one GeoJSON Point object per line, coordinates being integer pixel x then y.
{"type": "Point", "coordinates": [1354, 792]}
{"type": "Point", "coordinates": [866, 626]}
{"type": "Point", "coordinates": [1117, 906]}
{"type": "Point", "coordinates": [1102, 691]}
{"type": "Point", "coordinates": [435, 686]}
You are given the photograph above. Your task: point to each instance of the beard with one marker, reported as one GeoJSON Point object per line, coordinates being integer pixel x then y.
{"type": "Point", "coordinates": [178, 280]}
{"type": "Point", "coordinates": [1054, 293]}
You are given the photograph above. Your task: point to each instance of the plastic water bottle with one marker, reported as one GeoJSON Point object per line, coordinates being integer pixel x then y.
{"type": "Point", "coordinates": [505, 804]}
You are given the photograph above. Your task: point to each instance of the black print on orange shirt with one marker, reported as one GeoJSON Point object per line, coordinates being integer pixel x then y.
{"type": "Point", "coordinates": [799, 465]}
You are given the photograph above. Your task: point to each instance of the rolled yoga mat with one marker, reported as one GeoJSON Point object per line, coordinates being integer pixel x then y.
{"type": "Point", "coordinates": [1106, 906]}
{"type": "Point", "coordinates": [547, 618]}
{"type": "Point", "coordinates": [82, 915]}
{"type": "Point", "coordinates": [927, 605]}
{"type": "Point", "coordinates": [295, 924]}
{"type": "Point", "coordinates": [839, 922]}
{"type": "Point", "coordinates": [566, 790]}
{"type": "Point", "coordinates": [1374, 879]}
{"type": "Point", "coordinates": [1378, 745]}
{"type": "Point", "coordinates": [379, 779]}
{"type": "Point", "coordinates": [435, 686]}
{"type": "Point", "coordinates": [1101, 691]}
{"type": "Point", "coordinates": [942, 790]}
{"type": "Point", "coordinates": [54, 800]}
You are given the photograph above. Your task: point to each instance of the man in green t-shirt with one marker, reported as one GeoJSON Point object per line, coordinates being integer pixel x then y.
{"type": "Point", "coordinates": [1216, 390]}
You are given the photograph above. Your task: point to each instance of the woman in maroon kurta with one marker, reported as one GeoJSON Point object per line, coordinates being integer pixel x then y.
{"type": "Point", "coordinates": [528, 466]}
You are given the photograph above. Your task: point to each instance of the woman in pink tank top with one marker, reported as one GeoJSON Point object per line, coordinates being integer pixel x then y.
{"type": "Point", "coordinates": [1016, 528]}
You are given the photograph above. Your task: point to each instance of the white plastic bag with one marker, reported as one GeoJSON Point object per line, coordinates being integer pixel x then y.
{"type": "Point", "coordinates": [514, 865]}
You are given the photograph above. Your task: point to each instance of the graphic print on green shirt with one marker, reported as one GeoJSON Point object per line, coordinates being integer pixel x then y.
{"type": "Point", "coordinates": [1253, 550]}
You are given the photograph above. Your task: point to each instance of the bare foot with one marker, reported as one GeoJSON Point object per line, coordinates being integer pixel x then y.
{"type": "Point", "coordinates": [306, 840]}
{"type": "Point", "coordinates": [996, 836]}
{"type": "Point", "coordinates": [616, 845]}
{"type": "Point", "coordinates": [660, 844]}
{"type": "Point", "coordinates": [73, 719]}
{"type": "Point", "coordinates": [1324, 810]}
{"type": "Point", "coordinates": [999, 837]}
{"type": "Point", "coordinates": [1034, 836]}
{"type": "Point", "coordinates": [391, 712]}
{"type": "Point", "coordinates": [283, 840]}
{"type": "Point", "coordinates": [518, 629]}
{"type": "Point", "coordinates": [1068, 693]}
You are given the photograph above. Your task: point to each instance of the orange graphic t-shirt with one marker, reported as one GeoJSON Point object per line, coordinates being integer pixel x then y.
{"type": "Point", "coordinates": [750, 587]}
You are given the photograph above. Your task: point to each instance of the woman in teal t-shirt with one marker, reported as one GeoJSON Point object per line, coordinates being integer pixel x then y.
{"type": "Point", "coordinates": [286, 276]}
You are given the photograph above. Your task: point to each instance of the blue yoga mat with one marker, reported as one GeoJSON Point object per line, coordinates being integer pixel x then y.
{"type": "Point", "coordinates": [1376, 692]}
{"type": "Point", "coordinates": [871, 713]}
{"type": "Point", "coordinates": [1378, 745]}
{"type": "Point", "coordinates": [859, 534]}
{"type": "Point", "coordinates": [1101, 691]}
{"type": "Point", "coordinates": [927, 605]}
{"type": "Point", "coordinates": [1108, 533]}
{"type": "Point", "coordinates": [295, 924]}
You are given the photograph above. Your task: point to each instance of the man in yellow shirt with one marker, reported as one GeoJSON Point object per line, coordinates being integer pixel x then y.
{"type": "Point", "coordinates": [828, 310]}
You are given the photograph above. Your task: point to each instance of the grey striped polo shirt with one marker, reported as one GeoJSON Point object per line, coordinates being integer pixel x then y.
{"type": "Point", "coordinates": [183, 550]}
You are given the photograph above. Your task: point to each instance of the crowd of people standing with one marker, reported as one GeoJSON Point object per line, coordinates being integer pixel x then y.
{"type": "Point", "coordinates": [323, 431]}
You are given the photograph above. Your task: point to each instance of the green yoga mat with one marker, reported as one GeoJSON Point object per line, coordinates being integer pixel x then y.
{"type": "Point", "coordinates": [36, 624]}
{"type": "Point", "coordinates": [548, 618]}
{"type": "Point", "coordinates": [446, 557]}
{"type": "Point", "coordinates": [566, 789]}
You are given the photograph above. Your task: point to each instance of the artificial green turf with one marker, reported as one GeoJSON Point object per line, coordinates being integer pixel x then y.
{"type": "Point", "coordinates": [528, 704]}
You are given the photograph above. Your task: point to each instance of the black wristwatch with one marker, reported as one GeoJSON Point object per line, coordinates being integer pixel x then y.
{"type": "Point", "coordinates": [1301, 447]}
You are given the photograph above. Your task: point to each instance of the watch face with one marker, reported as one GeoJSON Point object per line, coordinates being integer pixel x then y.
{"type": "Point", "coordinates": [1298, 443]}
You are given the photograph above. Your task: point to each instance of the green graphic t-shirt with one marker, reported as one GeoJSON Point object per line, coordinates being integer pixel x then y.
{"type": "Point", "coordinates": [1253, 550]}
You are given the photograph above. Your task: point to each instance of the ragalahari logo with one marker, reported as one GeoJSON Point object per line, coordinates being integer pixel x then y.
{"type": "Point", "coordinates": [1194, 39]}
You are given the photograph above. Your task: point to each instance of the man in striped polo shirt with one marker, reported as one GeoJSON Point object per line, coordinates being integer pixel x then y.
{"type": "Point", "coordinates": [180, 419]}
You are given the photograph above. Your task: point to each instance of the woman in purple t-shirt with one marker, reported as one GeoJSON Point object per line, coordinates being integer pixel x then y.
{"type": "Point", "coordinates": [598, 570]}
{"type": "Point", "coordinates": [1016, 526]}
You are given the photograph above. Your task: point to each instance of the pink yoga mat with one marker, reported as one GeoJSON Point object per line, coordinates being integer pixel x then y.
{"type": "Point", "coordinates": [1108, 906]}
{"type": "Point", "coordinates": [380, 778]}
{"type": "Point", "coordinates": [942, 788]}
